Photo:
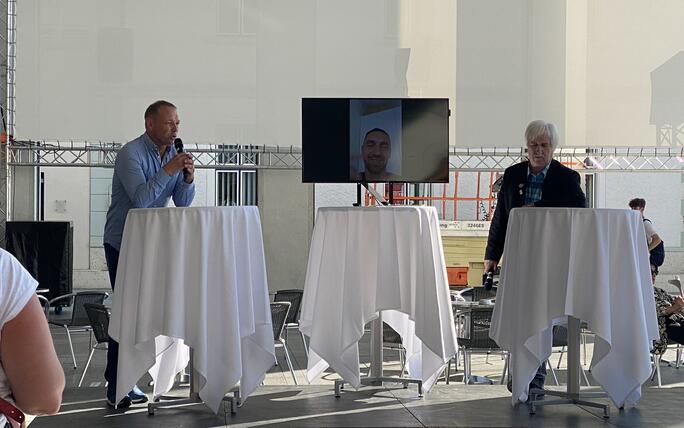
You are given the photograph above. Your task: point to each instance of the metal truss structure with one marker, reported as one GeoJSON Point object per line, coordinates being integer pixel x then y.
{"type": "Point", "coordinates": [602, 159]}
{"type": "Point", "coordinates": [223, 156]}
{"type": "Point", "coordinates": [7, 68]}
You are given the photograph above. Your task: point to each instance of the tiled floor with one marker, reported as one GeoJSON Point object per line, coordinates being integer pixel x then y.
{"type": "Point", "coordinates": [281, 403]}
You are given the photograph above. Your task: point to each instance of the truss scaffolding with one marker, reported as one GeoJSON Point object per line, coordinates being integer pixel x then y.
{"type": "Point", "coordinates": [223, 156]}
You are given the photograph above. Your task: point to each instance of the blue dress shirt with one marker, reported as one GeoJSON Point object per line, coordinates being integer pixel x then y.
{"type": "Point", "coordinates": [140, 182]}
{"type": "Point", "coordinates": [535, 184]}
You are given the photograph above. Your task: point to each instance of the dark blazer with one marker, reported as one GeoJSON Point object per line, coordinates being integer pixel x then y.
{"type": "Point", "coordinates": [561, 189]}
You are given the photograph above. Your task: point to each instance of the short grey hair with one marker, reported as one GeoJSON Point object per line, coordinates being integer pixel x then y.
{"type": "Point", "coordinates": [538, 128]}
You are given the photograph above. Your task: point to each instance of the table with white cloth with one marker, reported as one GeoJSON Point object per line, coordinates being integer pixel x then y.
{"type": "Point", "coordinates": [370, 262]}
{"type": "Point", "coordinates": [577, 264]}
{"type": "Point", "coordinates": [193, 277]}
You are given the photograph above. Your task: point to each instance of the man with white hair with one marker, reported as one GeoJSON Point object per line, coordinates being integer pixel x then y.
{"type": "Point", "coordinates": [540, 181]}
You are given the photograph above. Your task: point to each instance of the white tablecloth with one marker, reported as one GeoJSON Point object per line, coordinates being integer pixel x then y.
{"type": "Point", "coordinates": [588, 263]}
{"type": "Point", "coordinates": [363, 260]}
{"type": "Point", "coordinates": [196, 274]}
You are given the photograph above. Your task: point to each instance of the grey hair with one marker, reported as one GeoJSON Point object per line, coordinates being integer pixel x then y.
{"type": "Point", "coordinates": [538, 128]}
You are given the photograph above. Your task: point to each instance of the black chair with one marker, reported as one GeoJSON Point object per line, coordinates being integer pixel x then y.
{"type": "Point", "coordinates": [279, 312]}
{"type": "Point", "coordinates": [392, 340]}
{"type": "Point", "coordinates": [45, 303]}
{"type": "Point", "coordinates": [474, 294]}
{"type": "Point", "coordinates": [473, 336]}
{"type": "Point", "coordinates": [79, 321]}
{"type": "Point", "coordinates": [98, 315]}
{"type": "Point", "coordinates": [294, 296]}
{"type": "Point", "coordinates": [560, 340]}
{"type": "Point", "coordinates": [480, 293]}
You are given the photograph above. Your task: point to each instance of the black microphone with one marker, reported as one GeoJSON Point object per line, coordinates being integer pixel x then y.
{"type": "Point", "coordinates": [488, 280]}
{"type": "Point", "coordinates": [178, 144]}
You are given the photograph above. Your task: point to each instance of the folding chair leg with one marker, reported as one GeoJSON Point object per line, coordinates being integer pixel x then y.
{"type": "Point", "coordinates": [289, 363]}
{"type": "Point", "coordinates": [553, 373]}
{"type": "Point", "coordinates": [505, 369]}
{"type": "Point", "coordinates": [402, 360]}
{"type": "Point", "coordinates": [306, 348]}
{"type": "Point", "coordinates": [584, 375]}
{"type": "Point", "coordinates": [85, 369]}
{"type": "Point", "coordinates": [447, 373]}
{"type": "Point", "coordinates": [660, 383]}
{"type": "Point", "coordinates": [466, 367]}
{"type": "Point", "coordinates": [656, 369]}
{"type": "Point", "coordinates": [560, 358]}
{"type": "Point", "coordinates": [71, 346]}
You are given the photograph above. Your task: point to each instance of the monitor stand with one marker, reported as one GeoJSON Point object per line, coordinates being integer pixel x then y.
{"type": "Point", "coordinates": [376, 376]}
{"type": "Point", "coordinates": [380, 200]}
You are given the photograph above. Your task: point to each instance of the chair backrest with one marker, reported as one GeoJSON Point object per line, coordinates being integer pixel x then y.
{"type": "Point", "coordinates": [480, 293]}
{"type": "Point", "coordinates": [45, 303]}
{"type": "Point", "coordinates": [677, 283]}
{"type": "Point", "coordinates": [279, 311]}
{"type": "Point", "coordinates": [390, 335]}
{"type": "Point", "coordinates": [475, 335]}
{"type": "Point", "coordinates": [98, 315]}
{"type": "Point", "coordinates": [293, 296]}
{"type": "Point", "coordinates": [560, 336]}
{"type": "Point", "coordinates": [79, 317]}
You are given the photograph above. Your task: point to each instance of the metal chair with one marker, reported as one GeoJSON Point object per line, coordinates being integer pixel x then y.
{"type": "Point", "coordinates": [294, 296]}
{"type": "Point", "coordinates": [584, 333]}
{"type": "Point", "coordinates": [279, 311]}
{"type": "Point", "coordinates": [658, 358]}
{"type": "Point", "coordinates": [473, 337]}
{"type": "Point", "coordinates": [677, 283]}
{"type": "Point", "coordinates": [79, 321]}
{"type": "Point", "coordinates": [474, 294]}
{"type": "Point", "coordinates": [560, 340]}
{"type": "Point", "coordinates": [99, 322]}
{"type": "Point", "coordinates": [392, 340]}
{"type": "Point", "coordinates": [45, 303]}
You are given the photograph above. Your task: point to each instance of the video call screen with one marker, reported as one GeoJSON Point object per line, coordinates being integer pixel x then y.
{"type": "Point", "coordinates": [357, 140]}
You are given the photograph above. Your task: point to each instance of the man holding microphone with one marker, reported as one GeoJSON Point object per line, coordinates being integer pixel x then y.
{"type": "Point", "coordinates": [148, 172]}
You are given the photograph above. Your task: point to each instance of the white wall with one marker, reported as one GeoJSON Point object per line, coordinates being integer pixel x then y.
{"type": "Point", "coordinates": [628, 40]}
{"type": "Point", "coordinates": [510, 69]}
{"type": "Point", "coordinates": [663, 195]}
{"type": "Point", "coordinates": [67, 197]}
{"type": "Point", "coordinates": [237, 69]}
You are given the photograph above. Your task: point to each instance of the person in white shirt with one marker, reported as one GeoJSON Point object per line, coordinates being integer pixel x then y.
{"type": "Point", "coordinates": [31, 375]}
{"type": "Point", "coordinates": [652, 238]}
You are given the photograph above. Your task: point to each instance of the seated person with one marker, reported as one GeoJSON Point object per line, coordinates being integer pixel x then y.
{"type": "Point", "coordinates": [670, 316]}
{"type": "Point", "coordinates": [376, 150]}
{"type": "Point", "coordinates": [31, 376]}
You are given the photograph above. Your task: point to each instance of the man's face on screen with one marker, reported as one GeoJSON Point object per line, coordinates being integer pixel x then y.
{"type": "Point", "coordinates": [376, 152]}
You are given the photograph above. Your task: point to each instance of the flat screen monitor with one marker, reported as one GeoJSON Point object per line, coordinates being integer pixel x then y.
{"type": "Point", "coordinates": [375, 140]}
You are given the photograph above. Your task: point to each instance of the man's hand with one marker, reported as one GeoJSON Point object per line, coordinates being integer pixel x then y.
{"type": "Point", "coordinates": [178, 163]}
{"type": "Point", "coordinates": [490, 265]}
{"type": "Point", "coordinates": [189, 169]}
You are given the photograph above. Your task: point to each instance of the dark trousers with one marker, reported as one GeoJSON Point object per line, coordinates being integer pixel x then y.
{"type": "Point", "coordinates": [112, 258]}
{"type": "Point", "coordinates": [674, 331]}
{"type": "Point", "coordinates": [539, 377]}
